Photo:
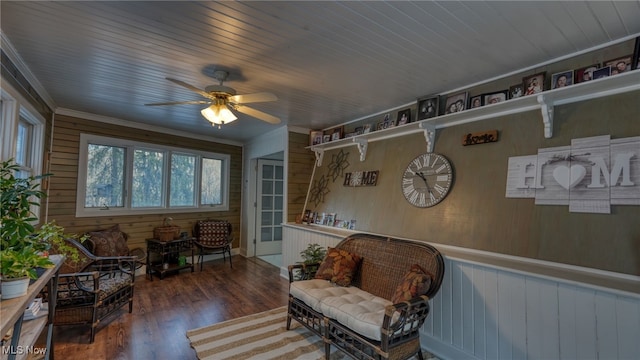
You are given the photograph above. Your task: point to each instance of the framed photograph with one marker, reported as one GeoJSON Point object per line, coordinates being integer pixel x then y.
{"type": "Point", "coordinates": [603, 72]}
{"type": "Point", "coordinates": [315, 137]}
{"type": "Point", "coordinates": [456, 103]}
{"type": "Point", "coordinates": [387, 122]}
{"type": "Point", "coordinates": [585, 73]}
{"type": "Point", "coordinates": [404, 117]}
{"type": "Point", "coordinates": [516, 91]}
{"type": "Point", "coordinates": [533, 84]}
{"type": "Point", "coordinates": [562, 79]}
{"type": "Point", "coordinates": [475, 101]}
{"type": "Point", "coordinates": [619, 65]}
{"type": "Point", "coordinates": [337, 133]}
{"type": "Point", "coordinates": [635, 64]}
{"type": "Point", "coordinates": [427, 107]}
{"type": "Point", "coordinates": [495, 97]}
{"type": "Point", "coordinates": [326, 138]}
{"type": "Point", "coordinates": [366, 128]}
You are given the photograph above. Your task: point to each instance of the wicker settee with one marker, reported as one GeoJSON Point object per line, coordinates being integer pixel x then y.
{"type": "Point", "coordinates": [93, 287]}
{"type": "Point", "coordinates": [361, 319]}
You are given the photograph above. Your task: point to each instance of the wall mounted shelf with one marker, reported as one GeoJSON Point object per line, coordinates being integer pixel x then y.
{"type": "Point", "coordinates": [543, 102]}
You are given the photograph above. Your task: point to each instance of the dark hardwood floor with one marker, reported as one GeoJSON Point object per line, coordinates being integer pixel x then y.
{"type": "Point", "coordinates": [163, 310]}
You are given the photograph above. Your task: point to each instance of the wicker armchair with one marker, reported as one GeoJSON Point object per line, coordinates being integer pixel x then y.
{"type": "Point", "coordinates": [93, 288]}
{"type": "Point", "coordinates": [213, 237]}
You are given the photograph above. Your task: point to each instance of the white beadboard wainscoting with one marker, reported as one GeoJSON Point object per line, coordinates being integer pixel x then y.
{"type": "Point", "coordinates": [486, 311]}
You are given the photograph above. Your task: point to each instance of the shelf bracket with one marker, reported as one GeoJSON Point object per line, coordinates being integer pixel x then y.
{"type": "Point", "coordinates": [362, 147]}
{"type": "Point", "coordinates": [319, 155]}
{"type": "Point", "coordinates": [429, 134]}
{"type": "Point", "coordinates": [547, 116]}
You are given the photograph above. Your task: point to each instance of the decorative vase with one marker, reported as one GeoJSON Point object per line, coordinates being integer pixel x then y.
{"type": "Point", "coordinates": [12, 288]}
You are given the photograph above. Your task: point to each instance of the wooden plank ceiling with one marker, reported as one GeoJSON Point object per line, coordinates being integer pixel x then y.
{"type": "Point", "coordinates": [327, 62]}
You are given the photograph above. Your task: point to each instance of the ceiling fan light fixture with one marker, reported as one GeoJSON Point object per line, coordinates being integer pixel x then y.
{"type": "Point", "coordinates": [218, 114]}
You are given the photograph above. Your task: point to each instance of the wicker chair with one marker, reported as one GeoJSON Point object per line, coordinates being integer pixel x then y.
{"type": "Point", "coordinates": [213, 237]}
{"type": "Point", "coordinates": [93, 288]}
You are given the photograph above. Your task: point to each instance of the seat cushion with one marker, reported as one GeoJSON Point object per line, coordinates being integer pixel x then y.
{"type": "Point", "coordinates": [350, 306]}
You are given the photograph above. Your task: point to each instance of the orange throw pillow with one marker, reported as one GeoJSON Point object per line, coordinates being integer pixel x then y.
{"type": "Point", "coordinates": [416, 282]}
{"type": "Point", "coordinates": [339, 267]}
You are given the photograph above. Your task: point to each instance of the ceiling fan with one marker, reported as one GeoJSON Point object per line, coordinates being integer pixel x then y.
{"type": "Point", "coordinates": [220, 99]}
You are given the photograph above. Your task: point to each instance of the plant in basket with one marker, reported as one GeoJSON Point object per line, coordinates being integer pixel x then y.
{"type": "Point", "coordinates": [311, 256]}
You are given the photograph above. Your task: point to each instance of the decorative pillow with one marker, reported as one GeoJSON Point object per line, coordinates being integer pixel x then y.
{"type": "Point", "coordinates": [416, 282]}
{"type": "Point", "coordinates": [109, 242]}
{"type": "Point", "coordinates": [339, 267]}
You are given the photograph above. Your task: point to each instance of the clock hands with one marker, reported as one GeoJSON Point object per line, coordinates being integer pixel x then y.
{"type": "Point", "coordinates": [421, 175]}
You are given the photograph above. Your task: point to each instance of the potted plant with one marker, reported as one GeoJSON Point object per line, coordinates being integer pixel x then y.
{"type": "Point", "coordinates": [311, 258]}
{"type": "Point", "coordinates": [20, 244]}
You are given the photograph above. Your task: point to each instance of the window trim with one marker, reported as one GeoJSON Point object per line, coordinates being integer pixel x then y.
{"type": "Point", "coordinates": [131, 145]}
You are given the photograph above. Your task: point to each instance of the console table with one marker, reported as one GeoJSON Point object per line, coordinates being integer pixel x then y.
{"type": "Point", "coordinates": [25, 333]}
{"type": "Point", "coordinates": [168, 253]}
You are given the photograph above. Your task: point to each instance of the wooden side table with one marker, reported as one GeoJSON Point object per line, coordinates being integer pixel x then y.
{"type": "Point", "coordinates": [168, 253]}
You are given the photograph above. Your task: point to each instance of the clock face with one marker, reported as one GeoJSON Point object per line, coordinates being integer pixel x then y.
{"type": "Point", "coordinates": [427, 180]}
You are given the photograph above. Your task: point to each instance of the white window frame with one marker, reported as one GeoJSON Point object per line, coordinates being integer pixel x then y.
{"type": "Point", "coordinates": [130, 145]}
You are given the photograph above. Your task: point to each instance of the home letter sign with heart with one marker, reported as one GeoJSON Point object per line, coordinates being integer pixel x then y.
{"type": "Point", "coordinates": [590, 175]}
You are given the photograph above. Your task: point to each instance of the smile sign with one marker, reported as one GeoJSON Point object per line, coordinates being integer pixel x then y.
{"type": "Point", "coordinates": [590, 175]}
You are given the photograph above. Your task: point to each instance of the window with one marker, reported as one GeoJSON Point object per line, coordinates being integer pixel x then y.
{"type": "Point", "coordinates": [124, 177]}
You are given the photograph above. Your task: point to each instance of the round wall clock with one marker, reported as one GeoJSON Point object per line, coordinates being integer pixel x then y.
{"type": "Point", "coordinates": [427, 180]}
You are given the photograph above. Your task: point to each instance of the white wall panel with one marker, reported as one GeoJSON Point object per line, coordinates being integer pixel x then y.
{"type": "Point", "coordinates": [487, 312]}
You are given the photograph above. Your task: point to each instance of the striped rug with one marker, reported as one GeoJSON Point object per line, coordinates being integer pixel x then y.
{"type": "Point", "coordinates": [259, 336]}
{"type": "Point", "coordinates": [262, 336]}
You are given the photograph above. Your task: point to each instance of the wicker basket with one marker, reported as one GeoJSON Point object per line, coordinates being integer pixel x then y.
{"type": "Point", "coordinates": [167, 232]}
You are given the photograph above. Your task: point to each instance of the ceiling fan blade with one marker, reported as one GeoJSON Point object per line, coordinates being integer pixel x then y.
{"type": "Point", "coordinates": [257, 114]}
{"type": "Point", "coordinates": [194, 102]}
{"type": "Point", "coordinates": [252, 98]}
{"type": "Point", "coordinates": [190, 87]}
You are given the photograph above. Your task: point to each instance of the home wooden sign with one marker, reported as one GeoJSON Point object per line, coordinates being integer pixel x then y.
{"type": "Point", "coordinates": [361, 178]}
{"type": "Point", "coordinates": [480, 137]}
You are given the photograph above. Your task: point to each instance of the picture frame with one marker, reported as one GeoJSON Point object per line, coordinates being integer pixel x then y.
{"type": "Point", "coordinates": [585, 73]}
{"type": "Point", "coordinates": [619, 65]}
{"type": "Point", "coordinates": [495, 97]}
{"type": "Point", "coordinates": [475, 101]}
{"type": "Point", "coordinates": [427, 107]}
{"type": "Point", "coordinates": [635, 64]}
{"type": "Point", "coordinates": [315, 137]}
{"type": "Point", "coordinates": [456, 103]}
{"type": "Point", "coordinates": [516, 91]}
{"type": "Point", "coordinates": [562, 79]}
{"type": "Point", "coordinates": [404, 117]}
{"type": "Point", "coordinates": [337, 133]}
{"type": "Point", "coordinates": [387, 122]}
{"type": "Point", "coordinates": [603, 72]}
{"type": "Point", "coordinates": [533, 84]}
{"type": "Point", "coordinates": [326, 138]}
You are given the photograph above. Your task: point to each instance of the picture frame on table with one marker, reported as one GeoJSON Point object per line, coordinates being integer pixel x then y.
{"type": "Point", "coordinates": [516, 91]}
{"type": "Point", "coordinates": [475, 101]}
{"type": "Point", "coordinates": [635, 64]}
{"type": "Point", "coordinates": [619, 65]}
{"type": "Point", "coordinates": [456, 103]}
{"type": "Point", "coordinates": [495, 97]}
{"type": "Point", "coordinates": [585, 73]}
{"type": "Point", "coordinates": [562, 79]}
{"type": "Point", "coordinates": [404, 117]}
{"type": "Point", "coordinates": [427, 107]}
{"type": "Point", "coordinates": [603, 72]}
{"type": "Point", "coordinates": [315, 137]}
{"type": "Point", "coordinates": [533, 84]}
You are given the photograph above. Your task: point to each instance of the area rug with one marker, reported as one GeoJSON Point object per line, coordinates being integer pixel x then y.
{"type": "Point", "coordinates": [262, 336]}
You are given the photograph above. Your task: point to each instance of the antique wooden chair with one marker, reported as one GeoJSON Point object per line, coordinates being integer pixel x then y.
{"type": "Point", "coordinates": [213, 237]}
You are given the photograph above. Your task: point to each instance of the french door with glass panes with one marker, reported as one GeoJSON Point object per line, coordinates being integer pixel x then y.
{"type": "Point", "coordinates": [270, 204]}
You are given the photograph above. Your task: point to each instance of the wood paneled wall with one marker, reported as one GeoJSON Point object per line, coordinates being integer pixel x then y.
{"type": "Point", "coordinates": [300, 166]}
{"type": "Point", "coordinates": [64, 167]}
{"type": "Point", "coordinates": [476, 214]}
